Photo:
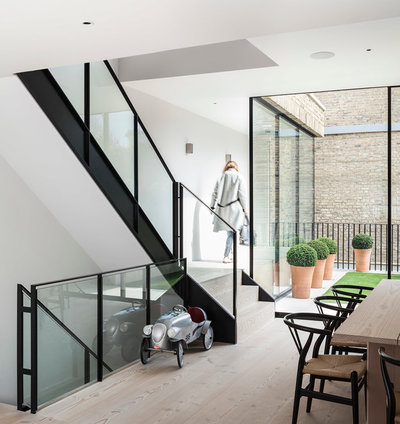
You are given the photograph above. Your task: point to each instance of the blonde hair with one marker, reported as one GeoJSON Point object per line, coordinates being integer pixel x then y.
{"type": "Point", "coordinates": [231, 164]}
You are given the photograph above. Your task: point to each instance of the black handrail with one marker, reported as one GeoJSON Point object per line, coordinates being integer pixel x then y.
{"type": "Point", "coordinates": [107, 272]}
{"type": "Point", "coordinates": [127, 99]}
{"type": "Point", "coordinates": [208, 207]}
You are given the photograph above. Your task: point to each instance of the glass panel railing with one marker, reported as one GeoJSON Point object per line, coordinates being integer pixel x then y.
{"type": "Point", "coordinates": [124, 313]}
{"type": "Point", "coordinates": [112, 122]}
{"type": "Point", "coordinates": [71, 81]}
{"type": "Point", "coordinates": [63, 364]}
{"type": "Point", "coordinates": [155, 189]}
{"type": "Point", "coordinates": [163, 288]}
{"type": "Point", "coordinates": [74, 303]}
{"type": "Point", "coordinates": [205, 244]}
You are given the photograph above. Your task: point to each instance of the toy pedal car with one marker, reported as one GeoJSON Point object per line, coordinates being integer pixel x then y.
{"type": "Point", "coordinates": [174, 328]}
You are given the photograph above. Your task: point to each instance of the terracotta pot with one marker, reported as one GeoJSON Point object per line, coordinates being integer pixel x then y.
{"type": "Point", "coordinates": [318, 274]}
{"type": "Point", "coordinates": [301, 281]}
{"type": "Point", "coordinates": [362, 257]}
{"type": "Point", "coordinates": [330, 262]}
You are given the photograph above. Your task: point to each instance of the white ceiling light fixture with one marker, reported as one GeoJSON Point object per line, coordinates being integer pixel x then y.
{"type": "Point", "coordinates": [322, 55]}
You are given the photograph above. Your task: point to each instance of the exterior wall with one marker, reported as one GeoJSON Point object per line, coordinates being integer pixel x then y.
{"type": "Point", "coordinates": [351, 167]}
{"type": "Point", "coordinates": [305, 109]}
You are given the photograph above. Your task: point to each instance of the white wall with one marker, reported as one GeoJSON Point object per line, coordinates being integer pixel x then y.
{"type": "Point", "coordinates": [54, 221]}
{"type": "Point", "coordinates": [34, 248]}
{"type": "Point", "coordinates": [172, 127]}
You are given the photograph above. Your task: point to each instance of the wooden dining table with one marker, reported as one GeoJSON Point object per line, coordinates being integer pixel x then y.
{"type": "Point", "coordinates": [376, 322]}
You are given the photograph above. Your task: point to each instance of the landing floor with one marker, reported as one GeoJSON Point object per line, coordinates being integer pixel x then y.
{"type": "Point", "coordinates": [252, 381]}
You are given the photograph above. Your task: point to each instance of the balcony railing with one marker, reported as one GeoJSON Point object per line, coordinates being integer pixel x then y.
{"type": "Point", "coordinates": [342, 234]}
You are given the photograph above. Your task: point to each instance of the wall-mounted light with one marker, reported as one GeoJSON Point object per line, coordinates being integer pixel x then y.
{"type": "Point", "coordinates": [189, 148]}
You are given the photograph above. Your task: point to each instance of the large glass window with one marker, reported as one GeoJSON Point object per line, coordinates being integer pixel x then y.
{"type": "Point", "coordinates": [283, 193]}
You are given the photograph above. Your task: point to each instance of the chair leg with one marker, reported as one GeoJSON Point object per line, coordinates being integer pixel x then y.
{"type": "Point", "coordinates": [309, 400]}
{"type": "Point", "coordinates": [354, 396]}
{"type": "Point", "coordinates": [296, 403]}
{"type": "Point", "coordinates": [322, 385]}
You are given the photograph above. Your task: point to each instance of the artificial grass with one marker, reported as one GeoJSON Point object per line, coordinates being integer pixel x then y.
{"type": "Point", "coordinates": [369, 279]}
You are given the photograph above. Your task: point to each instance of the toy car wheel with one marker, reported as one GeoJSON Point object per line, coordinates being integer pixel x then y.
{"type": "Point", "coordinates": [208, 338]}
{"type": "Point", "coordinates": [144, 353]}
{"type": "Point", "coordinates": [179, 353]}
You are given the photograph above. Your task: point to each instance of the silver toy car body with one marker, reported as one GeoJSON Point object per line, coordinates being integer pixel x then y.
{"type": "Point", "coordinates": [171, 330]}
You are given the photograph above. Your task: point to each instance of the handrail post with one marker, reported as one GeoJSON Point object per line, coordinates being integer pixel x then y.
{"type": "Point", "coordinates": [180, 191]}
{"type": "Point", "coordinates": [20, 348]}
{"type": "Point", "coordinates": [175, 219]}
{"type": "Point", "coordinates": [34, 351]}
{"type": "Point", "coordinates": [100, 327]}
{"type": "Point", "coordinates": [148, 276]}
{"type": "Point", "coordinates": [234, 272]}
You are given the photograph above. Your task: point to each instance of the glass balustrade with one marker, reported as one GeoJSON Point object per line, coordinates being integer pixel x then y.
{"type": "Point", "coordinates": [204, 249]}
{"type": "Point", "coordinates": [124, 141]}
{"type": "Point", "coordinates": [67, 326]}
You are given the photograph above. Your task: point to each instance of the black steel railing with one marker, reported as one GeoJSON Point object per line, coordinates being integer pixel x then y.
{"type": "Point", "coordinates": [342, 234]}
{"type": "Point", "coordinates": [55, 321]}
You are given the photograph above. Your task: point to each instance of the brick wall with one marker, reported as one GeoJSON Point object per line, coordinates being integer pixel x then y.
{"type": "Point", "coordinates": [351, 169]}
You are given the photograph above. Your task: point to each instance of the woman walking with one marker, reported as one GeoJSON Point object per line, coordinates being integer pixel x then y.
{"type": "Point", "coordinates": [229, 200]}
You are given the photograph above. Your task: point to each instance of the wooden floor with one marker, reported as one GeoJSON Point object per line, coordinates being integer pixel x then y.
{"type": "Point", "coordinates": [251, 382]}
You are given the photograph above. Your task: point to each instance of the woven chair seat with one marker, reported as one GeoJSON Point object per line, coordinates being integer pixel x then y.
{"type": "Point", "coordinates": [336, 366]}
{"type": "Point", "coordinates": [349, 344]}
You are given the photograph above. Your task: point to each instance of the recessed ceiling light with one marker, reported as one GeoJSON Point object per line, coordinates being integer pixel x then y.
{"type": "Point", "coordinates": [322, 55]}
{"type": "Point", "coordinates": [87, 23]}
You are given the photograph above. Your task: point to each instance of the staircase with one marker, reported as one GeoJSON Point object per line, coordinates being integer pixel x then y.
{"type": "Point", "coordinates": [234, 308]}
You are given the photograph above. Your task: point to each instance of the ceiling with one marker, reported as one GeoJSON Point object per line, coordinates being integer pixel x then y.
{"type": "Point", "coordinates": [48, 33]}
{"type": "Point", "coordinates": [223, 96]}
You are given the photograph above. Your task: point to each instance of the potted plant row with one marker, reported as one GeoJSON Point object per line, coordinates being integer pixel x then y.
{"type": "Point", "coordinates": [362, 245]}
{"type": "Point", "coordinates": [308, 263]}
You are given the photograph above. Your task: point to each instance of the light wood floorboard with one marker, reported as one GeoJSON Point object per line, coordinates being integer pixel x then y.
{"type": "Point", "coordinates": [251, 382]}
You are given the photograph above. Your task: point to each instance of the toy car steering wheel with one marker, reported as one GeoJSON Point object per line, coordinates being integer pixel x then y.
{"type": "Point", "coordinates": [179, 308]}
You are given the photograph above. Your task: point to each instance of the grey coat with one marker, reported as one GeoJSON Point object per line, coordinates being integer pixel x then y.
{"type": "Point", "coordinates": [229, 187]}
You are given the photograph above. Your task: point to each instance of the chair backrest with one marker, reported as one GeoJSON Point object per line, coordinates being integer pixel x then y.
{"type": "Point", "coordinates": [300, 322]}
{"type": "Point", "coordinates": [351, 290]}
{"type": "Point", "coordinates": [391, 398]}
{"type": "Point", "coordinates": [342, 305]}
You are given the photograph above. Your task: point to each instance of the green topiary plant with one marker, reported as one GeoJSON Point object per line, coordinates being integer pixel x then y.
{"type": "Point", "coordinates": [362, 241]}
{"type": "Point", "coordinates": [320, 247]}
{"type": "Point", "coordinates": [301, 255]}
{"type": "Point", "coordinates": [332, 246]}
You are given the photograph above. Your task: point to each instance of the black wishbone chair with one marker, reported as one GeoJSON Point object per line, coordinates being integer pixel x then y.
{"type": "Point", "coordinates": [347, 368]}
{"type": "Point", "coordinates": [343, 307]}
{"type": "Point", "coordinates": [343, 290]}
{"type": "Point", "coordinates": [392, 396]}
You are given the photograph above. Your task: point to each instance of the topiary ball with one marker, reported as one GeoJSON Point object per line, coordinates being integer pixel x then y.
{"type": "Point", "coordinates": [320, 247]}
{"type": "Point", "coordinates": [362, 241]}
{"type": "Point", "coordinates": [332, 246]}
{"type": "Point", "coordinates": [301, 255]}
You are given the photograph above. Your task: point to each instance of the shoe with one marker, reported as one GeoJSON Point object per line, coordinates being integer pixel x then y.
{"type": "Point", "coordinates": [227, 260]}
